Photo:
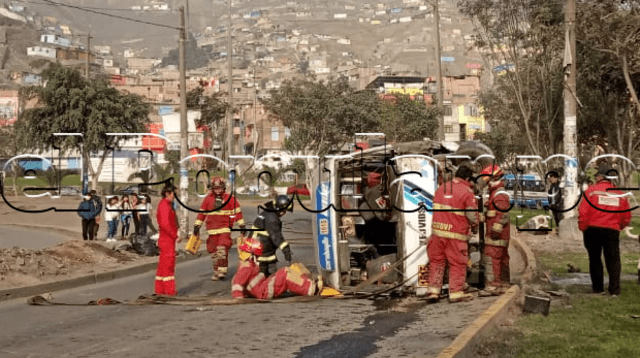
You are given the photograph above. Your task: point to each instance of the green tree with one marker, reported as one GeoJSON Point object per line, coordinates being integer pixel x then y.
{"type": "Point", "coordinates": [212, 109]}
{"type": "Point", "coordinates": [608, 35]}
{"type": "Point", "coordinates": [404, 119]}
{"type": "Point", "coordinates": [527, 36]}
{"type": "Point", "coordinates": [322, 117]}
{"type": "Point", "coordinates": [70, 104]}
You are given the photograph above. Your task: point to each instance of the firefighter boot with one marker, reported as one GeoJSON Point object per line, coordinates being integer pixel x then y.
{"type": "Point", "coordinates": [222, 273]}
{"type": "Point", "coordinates": [433, 294]}
{"type": "Point", "coordinates": [490, 291]}
{"type": "Point", "coordinates": [460, 297]}
{"type": "Point", "coordinates": [214, 258]}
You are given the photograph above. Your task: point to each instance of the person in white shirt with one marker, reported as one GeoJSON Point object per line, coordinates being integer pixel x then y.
{"type": "Point", "coordinates": [111, 217]}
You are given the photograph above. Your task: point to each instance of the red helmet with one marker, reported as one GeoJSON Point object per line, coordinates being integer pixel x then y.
{"type": "Point", "coordinates": [218, 182]}
{"type": "Point", "coordinates": [493, 171]}
{"type": "Point", "coordinates": [251, 245]}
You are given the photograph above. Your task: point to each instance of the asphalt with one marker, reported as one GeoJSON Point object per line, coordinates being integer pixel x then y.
{"type": "Point", "coordinates": [463, 346]}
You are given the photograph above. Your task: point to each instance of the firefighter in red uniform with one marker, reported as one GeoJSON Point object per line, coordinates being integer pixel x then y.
{"type": "Point", "coordinates": [450, 233]}
{"type": "Point", "coordinates": [250, 282]}
{"type": "Point", "coordinates": [496, 244]}
{"type": "Point", "coordinates": [165, 274]}
{"type": "Point", "coordinates": [219, 218]}
{"type": "Point", "coordinates": [601, 229]}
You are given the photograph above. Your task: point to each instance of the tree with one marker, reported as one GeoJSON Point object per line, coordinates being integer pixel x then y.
{"type": "Point", "coordinates": [612, 28]}
{"type": "Point", "coordinates": [70, 104]}
{"type": "Point", "coordinates": [212, 109]}
{"type": "Point", "coordinates": [527, 38]}
{"type": "Point", "coordinates": [405, 119]}
{"type": "Point", "coordinates": [322, 116]}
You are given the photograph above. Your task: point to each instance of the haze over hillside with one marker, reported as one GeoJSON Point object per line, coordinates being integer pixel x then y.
{"type": "Point", "coordinates": [398, 33]}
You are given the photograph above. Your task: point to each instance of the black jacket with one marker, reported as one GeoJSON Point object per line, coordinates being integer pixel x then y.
{"type": "Point", "coordinates": [555, 196]}
{"type": "Point", "coordinates": [270, 233]}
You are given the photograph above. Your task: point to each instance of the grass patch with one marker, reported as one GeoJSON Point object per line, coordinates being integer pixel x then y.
{"type": "Point", "coordinates": [556, 262]}
{"type": "Point", "coordinates": [592, 326]}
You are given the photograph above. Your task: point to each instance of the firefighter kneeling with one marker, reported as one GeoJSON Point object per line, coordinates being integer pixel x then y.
{"type": "Point", "coordinates": [250, 282]}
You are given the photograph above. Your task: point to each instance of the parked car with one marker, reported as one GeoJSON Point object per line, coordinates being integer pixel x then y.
{"type": "Point", "coordinates": [300, 189]}
{"type": "Point", "coordinates": [70, 190]}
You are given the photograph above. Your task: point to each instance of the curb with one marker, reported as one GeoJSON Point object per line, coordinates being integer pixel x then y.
{"type": "Point", "coordinates": [94, 278]}
{"type": "Point", "coordinates": [464, 345]}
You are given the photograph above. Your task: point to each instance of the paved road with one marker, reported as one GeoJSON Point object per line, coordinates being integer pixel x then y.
{"type": "Point", "coordinates": [323, 328]}
{"type": "Point", "coordinates": [35, 239]}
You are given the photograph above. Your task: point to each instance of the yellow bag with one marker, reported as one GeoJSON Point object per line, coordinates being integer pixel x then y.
{"type": "Point", "coordinates": [193, 245]}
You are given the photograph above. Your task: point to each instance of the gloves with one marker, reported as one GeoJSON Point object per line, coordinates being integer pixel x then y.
{"type": "Point", "coordinates": [196, 230]}
{"type": "Point", "coordinates": [287, 254]}
{"type": "Point", "coordinates": [244, 230]}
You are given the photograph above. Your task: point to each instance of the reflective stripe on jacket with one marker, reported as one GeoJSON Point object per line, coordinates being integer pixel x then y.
{"type": "Point", "coordinates": [601, 198]}
{"type": "Point", "coordinates": [454, 195]}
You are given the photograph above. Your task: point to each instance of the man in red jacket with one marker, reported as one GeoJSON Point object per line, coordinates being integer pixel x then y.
{"type": "Point", "coordinates": [601, 227]}
{"type": "Point", "coordinates": [496, 245]}
{"type": "Point", "coordinates": [250, 282]}
{"type": "Point", "coordinates": [165, 274]}
{"type": "Point", "coordinates": [450, 231]}
{"type": "Point", "coordinates": [220, 211]}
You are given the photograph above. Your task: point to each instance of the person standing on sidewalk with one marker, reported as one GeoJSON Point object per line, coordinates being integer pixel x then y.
{"type": "Point", "coordinates": [165, 283]}
{"type": "Point", "coordinates": [87, 211]}
{"type": "Point", "coordinates": [135, 200]}
{"type": "Point", "coordinates": [98, 204]}
{"type": "Point", "coordinates": [498, 233]}
{"type": "Point", "coordinates": [220, 211]}
{"type": "Point", "coordinates": [111, 217]}
{"type": "Point", "coordinates": [555, 198]}
{"type": "Point", "coordinates": [450, 232]}
{"type": "Point", "coordinates": [601, 229]}
{"type": "Point", "coordinates": [125, 215]}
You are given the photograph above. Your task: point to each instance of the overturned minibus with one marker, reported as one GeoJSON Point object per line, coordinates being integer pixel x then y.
{"type": "Point", "coordinates": [373, 214]}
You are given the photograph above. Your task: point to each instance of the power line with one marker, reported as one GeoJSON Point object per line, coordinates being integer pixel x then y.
{"type": "Point", "coordinates": [110, 15]}
{"type": "Point", "coordinates": [86, 7]}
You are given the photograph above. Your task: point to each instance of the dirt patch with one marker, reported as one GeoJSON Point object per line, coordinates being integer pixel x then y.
{"type": "Point", "coordinates": [23, 267]}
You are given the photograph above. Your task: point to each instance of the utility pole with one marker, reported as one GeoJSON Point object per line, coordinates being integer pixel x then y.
{"type": "Point", "coordinates": [184, 143]}
{"type": "Point", "coordinates": [568, 226]}
{"type": "Point", "coordinates": [230, 84]}
{"type": "Point", "coordinates": [188, 13]}
{"type": "Point", "coordinates": [439, 94]}
{"type": "Point", "coordinates": [88, 63]}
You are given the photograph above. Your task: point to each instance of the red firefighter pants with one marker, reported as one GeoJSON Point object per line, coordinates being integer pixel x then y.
{"type": "Point", "coordinates": [281, 281]}
{"type": "Point", "coordinates": [218, 246]}
{"type": "Point", "coordinates": [165, 274]}
{"type": "Point", "coordinates": [499, 263]}
{"type": "Point", "coordinates": [441, 251]}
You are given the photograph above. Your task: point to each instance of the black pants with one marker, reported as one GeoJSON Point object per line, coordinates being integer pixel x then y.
{"type": "Point", "coordinates": [268, 268]}
{"type": "Point", "coordinates": [557, 216]}
{"type": "Point", "coordinates": [87, 228]}
{"type": "Point", "coordinates": [597, 240]}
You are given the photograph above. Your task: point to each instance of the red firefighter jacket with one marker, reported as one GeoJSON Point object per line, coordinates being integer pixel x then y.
{"type": "Point", "coordinates": [498, 221]}
{"type": "Point", "coordinates": [219, 220]}
{"type": "Point", "coordinates": [167, 223]}
{"type": "Point", "coordinates": [601, 198]}
{"type": "Point", "coordinates": [454, 195]}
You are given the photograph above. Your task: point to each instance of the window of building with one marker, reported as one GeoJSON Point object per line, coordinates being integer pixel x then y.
{"type": "Point", "coordinates": [463, 132]}
{"type": "Point", "coordinates": [447, 110]}
{"type": "Point", "coordinates": [471, 110]}
{"type": "Point", "coordinates": [448, 129]}
{"type": "Point", "coordinates": [287, 132]}
{"type": "Point", "coordinates": [275, 134]}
